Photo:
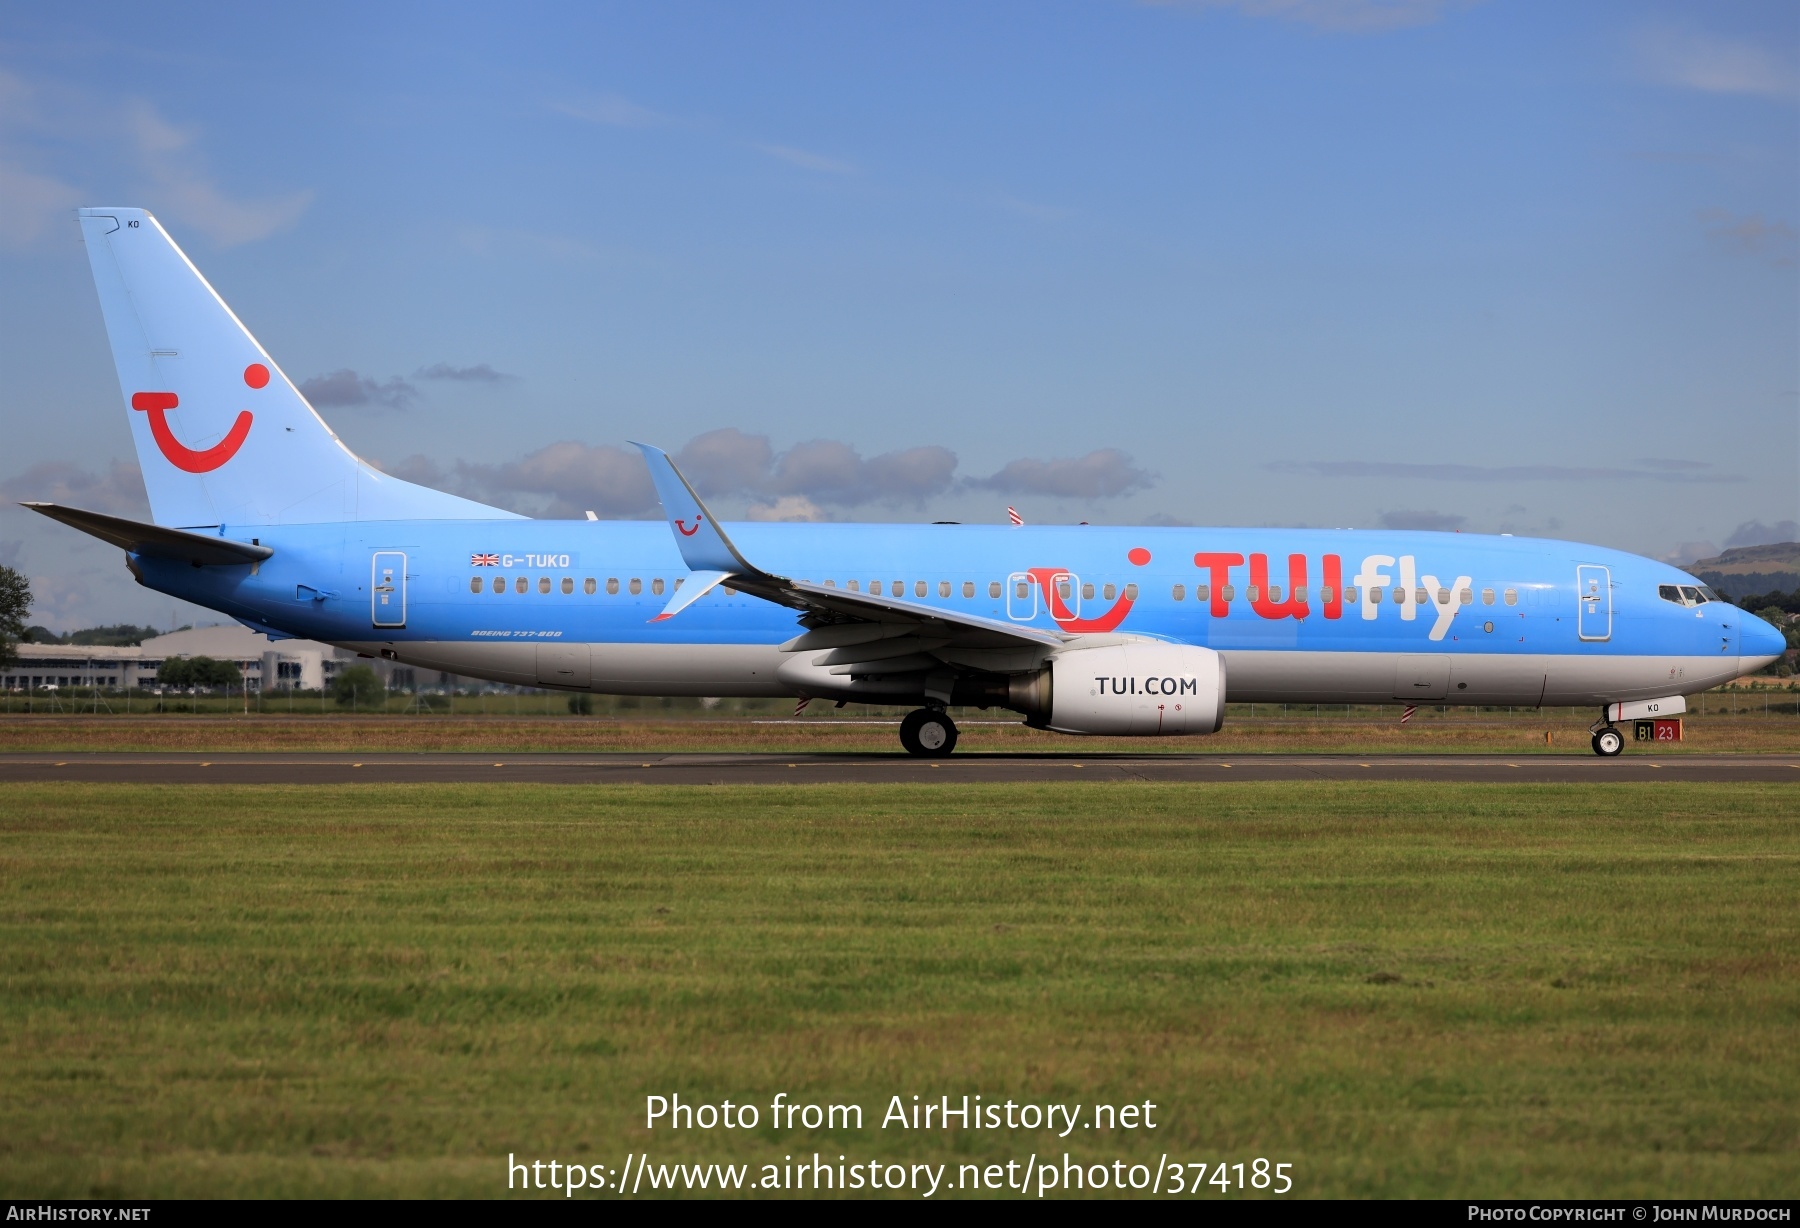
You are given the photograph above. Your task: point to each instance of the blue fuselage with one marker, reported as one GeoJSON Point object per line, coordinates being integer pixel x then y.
{"type": "Point", "coordinates": [1298, 614]}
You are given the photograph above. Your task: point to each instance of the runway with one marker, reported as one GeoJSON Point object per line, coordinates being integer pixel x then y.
{"type": "Point", "coordinates": [762, 769]}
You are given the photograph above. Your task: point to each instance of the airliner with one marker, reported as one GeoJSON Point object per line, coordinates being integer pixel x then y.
{"type": "Point", "coordinates": [260, 512]}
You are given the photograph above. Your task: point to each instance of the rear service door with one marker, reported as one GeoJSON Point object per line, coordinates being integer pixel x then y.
{"type": "Point", "coordinates": [1593, 602]}
{"type": "Point", "coordinates": [387, 589]}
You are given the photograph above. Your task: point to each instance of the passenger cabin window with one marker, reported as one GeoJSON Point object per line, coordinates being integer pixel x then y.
{"type": "Point", "coordinates": [612, 586]}
{"type": "Point", "coordinates": [993, 588]}
{"type": "Point", "coordinates": [851, 585]}
{"type": "Point", "coordinates": [1021, 590]}
{"type": "Point", "coordinates": [1087, 592]}
{"type": "Point", "coordinates": [1324, 593]}
{"type": "Point", "coordinates": [1109, 592]}
{"type": "Point", "coordinates": [831, 584]}
{"type": "Point", "coordinates": [920, 588]}
{"type": "Point", "coordinates": [588, 586]}
{"type": "Point", "coordinates": [656, 586]}
{"type": "Point", "coordinates": [1512, 596]}
{"type": "Point", "coordinates": [899, 589]}
{"type": "Point", "coordinates": [1202, 592]}
{"type": "Point", "coordinates": [943, 588]}
{"type": "Point", "coordinates": [1375, 596]}
{"type": "Point", "coordinates": [1487, 596]}
{"type": "Point", "coordinates": [1227, 593]}
{"type": "Point", "coordinates": [543, 584]}
{"type": "Point", "coordinates": [1131, 592]}
{"type": "Point", "coordinates": [520, 584]}
{"type": "Point", "coordinates": [636, 586]}
{"type": "Point", "coordinates": [1063, 589]}
{"type": "Point", "coordinates": [1252, 593]}
{"type": "Point", "coordinates": [1179, 592]}
{"type": "Point", "coordinates": [1350, 594]}
{"type": "Point", "coordinates": [1465, 596]}
{"type": "Point", "coordinates": [499, 584]}
{"type": "Point", "coordinates": [1274, 592]}
{"type": "Point", "coordinates": [1300, 594]}
{"type": "Point", "coordinates": [475, 584]}
{"type": "Point", "coordinates": [1443, 596]}
{"type": "Point", "coordinates": [568, 584]}
{"type": "Point", "coordinates": [968, 588]}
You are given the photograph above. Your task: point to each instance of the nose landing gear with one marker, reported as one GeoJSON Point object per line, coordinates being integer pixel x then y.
{"type": "Point", "coordinates": [928, 733]}
{"type": "Point", "coordinates": [1608, 742]}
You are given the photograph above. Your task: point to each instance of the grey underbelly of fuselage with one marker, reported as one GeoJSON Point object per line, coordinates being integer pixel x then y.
{"type": "Point", "coordinates": [750, 670]}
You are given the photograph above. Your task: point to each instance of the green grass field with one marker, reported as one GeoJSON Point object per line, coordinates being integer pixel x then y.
{"type": "Point", "coordinates": [1407, 989]}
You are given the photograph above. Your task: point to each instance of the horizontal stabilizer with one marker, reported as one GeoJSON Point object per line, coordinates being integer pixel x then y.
{"type": "Point", "coordinates": [154, 541]}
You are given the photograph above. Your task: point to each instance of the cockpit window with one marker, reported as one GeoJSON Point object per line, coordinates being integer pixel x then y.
{"type": "Point", "coordinates": [1687, 594]}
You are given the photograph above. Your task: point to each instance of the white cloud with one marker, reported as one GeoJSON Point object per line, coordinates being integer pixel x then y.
{"type": "Point", "coordinates": [1102, 474]}
{"type": "Point", "coordinates": [806, 482]}
{"type": "Point", "coordinates": [480, 373]}
{"type": "Point", "coordinates": [787, 508]}
{"type": "Point", "coordinates": [31, 203]}
{"type": "Point", "coordinates": [346, 387]}
{"type": "Point", "coordinates": [564, 480]}
{"type": "Point", "coordinates": [1756, 533]}
{"type": "Point", "coordinates": [1442, 522]}
{"type": "Point", "coordinates": [1690, 59]}
{"type": "Point", "coordinates": [611, 110]}
{"type": "Point", "coordinates": [808, 161]}
{"type": "Point", "coordinates": [1774, 241]}
{"type": "Point", "coordinates": [182, 188]}
{"type": "Point", "coordinates": [1336, 16]}
{"type": "Point", "coordinates": [117, 492]}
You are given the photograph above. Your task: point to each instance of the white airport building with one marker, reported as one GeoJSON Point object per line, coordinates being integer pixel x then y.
{"type": "Point", "coordinates": [267, 665]}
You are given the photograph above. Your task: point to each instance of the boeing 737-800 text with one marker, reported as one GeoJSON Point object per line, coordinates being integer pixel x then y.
{"type": "Point", "coordinates": [261, 513]}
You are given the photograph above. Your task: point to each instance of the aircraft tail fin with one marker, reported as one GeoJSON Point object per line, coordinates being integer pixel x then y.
{"type": "Point", "coordinates": [222, 435]}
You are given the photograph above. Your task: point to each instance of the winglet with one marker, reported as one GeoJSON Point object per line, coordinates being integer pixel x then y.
{"type": "Point", "coordinates": [703, 544]}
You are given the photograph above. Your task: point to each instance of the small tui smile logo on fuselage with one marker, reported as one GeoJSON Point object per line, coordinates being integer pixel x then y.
{"type": "Point", "coordinates": [203, 460]}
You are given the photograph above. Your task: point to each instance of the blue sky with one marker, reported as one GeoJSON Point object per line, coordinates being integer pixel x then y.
{"type": "Point", "coordinates": [1502, 266]}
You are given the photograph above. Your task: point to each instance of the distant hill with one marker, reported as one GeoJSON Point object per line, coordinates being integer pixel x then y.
{"type": "Point", "coordinates": [1752, 569]}
{"type": "Point", "coordinates": [117, 635]}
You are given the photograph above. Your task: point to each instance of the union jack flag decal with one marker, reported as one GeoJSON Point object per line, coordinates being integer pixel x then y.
{"type": "Point", "coordinates": [484, 560]}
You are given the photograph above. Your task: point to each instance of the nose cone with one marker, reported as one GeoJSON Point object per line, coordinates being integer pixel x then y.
{"type": "Point", "coordinates": [1759, 642]}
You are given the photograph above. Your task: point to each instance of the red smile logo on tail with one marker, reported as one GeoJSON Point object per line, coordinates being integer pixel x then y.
{"type": "Point", "coordinates": [157, 405]}
{"type": "Point", "coordinates": [687, 532]}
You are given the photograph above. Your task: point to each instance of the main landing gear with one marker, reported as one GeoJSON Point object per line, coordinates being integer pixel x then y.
{"type": "Point", "coordinates": [1608, 741]}
{"type": "Point", "coordinates": [928, 732]}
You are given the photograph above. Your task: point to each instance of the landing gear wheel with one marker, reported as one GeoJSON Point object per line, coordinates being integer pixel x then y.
{"type": "Point", "coordinates": [1608, 742]}
{"type": "Point", "coordinates": [928, 732]}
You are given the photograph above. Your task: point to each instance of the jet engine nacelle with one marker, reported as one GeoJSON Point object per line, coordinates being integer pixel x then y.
{"type": "Point", "coordinates": [1143, 689]}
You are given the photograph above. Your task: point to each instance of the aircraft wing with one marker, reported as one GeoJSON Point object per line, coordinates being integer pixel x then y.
{"type": "Point", "coordinates": [851, 624]}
